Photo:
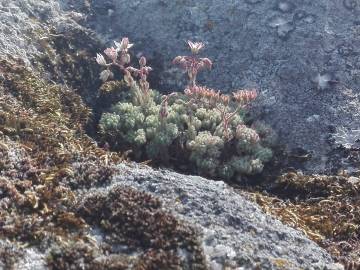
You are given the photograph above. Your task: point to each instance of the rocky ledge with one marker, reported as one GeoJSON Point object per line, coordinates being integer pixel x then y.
{"type": "Point", "coordinates": [65, 203]}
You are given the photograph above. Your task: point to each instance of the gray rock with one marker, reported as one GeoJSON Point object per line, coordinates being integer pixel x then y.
{"type": "Point", "coordinates": [302, 55]}
{"type": "Point", "coordinates": [235, 232]}
{"type": "Point", "coordinates": [15, 257]}
{"type": "Point", "coordinates": [354, 180]}
{"type": "Point", "coordinates": [32, 259]}
{"type": "Point", "coordinates": [21, 22]}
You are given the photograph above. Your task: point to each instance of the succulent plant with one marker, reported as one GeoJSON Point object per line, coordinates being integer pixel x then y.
{"type": "Point", "coordinates": [201, 128]}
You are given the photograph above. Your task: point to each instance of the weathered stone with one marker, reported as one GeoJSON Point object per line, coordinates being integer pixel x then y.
{"type": "Point", "coordinates": [235, 232]}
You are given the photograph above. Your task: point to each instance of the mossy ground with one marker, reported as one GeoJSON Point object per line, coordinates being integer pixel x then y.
{"type": "Point", "coordinates": [325, 208]}
{"type": "Point", "coordinates": [45, 158]}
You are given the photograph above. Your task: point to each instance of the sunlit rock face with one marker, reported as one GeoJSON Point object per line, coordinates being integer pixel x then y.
{"type": "Point", "coordinates": [303, 57]}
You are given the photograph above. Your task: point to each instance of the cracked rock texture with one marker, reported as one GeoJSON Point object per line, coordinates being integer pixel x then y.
{"type": "Point", "coordinates": [302, 55]}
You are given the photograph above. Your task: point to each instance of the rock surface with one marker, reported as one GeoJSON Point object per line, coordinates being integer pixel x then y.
{"type": "Point", "coordinates": [302, 55]}
{"type": "Point", "coordinates": [235, 231]}
{"type": "Point", "coordinates": [25, 24]}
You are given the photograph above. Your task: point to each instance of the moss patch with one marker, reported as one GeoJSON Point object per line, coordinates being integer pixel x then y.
{"type": "Point", "coordinates": [325, 208]}
{"type": "Point", "coordinates": [45, 157]}
{"type": "Point", "coordinates": [136, 220]}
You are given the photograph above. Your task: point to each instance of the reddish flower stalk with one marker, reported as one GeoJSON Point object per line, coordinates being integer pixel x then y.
{"type": "Point", "coordinates": [164, 110]}
{"type": "Point", "coordinates": [226, 117]}
{"type": "Point", "coordinates": [193, 64]}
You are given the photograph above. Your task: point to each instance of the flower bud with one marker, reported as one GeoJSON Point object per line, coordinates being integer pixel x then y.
{"type": "Point", "coordinates": [177, 60]}
{"type": "Point", "coordinates": [206, 63]}
{"type": "Point", "coordinates": [245, 96]}
{"type": "Point", "coordinates": [225, 99]}
{"type": "Point", "coordinates": [142, 61]}
{"type": "Point", "coordinates": [100, 59]}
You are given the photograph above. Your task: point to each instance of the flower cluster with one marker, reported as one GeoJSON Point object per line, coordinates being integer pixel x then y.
{"type": "Point", "coordinates": [245, 96]}
{"type": "Point", "coordinates": [120, 58]}
{"type": "Point", "coordinates": [203, 93]}
{"type": "Point", "coordinates": [222, 102]}
{"type": "Point", "coordinates": [193, 64]}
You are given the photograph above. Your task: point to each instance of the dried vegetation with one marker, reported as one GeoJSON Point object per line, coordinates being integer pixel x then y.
{"type": "Point", "coordinates": [325, 208]}
{"type": "Point", "coordinates": [45, 157]}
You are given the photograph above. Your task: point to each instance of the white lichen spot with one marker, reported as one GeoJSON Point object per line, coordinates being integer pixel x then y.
{"type": "Point", "coordinates": [284, 30]}
{"type": "Point", "coordinates": [313, 118]}
{"type": "Point", "coordinates": [110, 12]}
{"type": "Point", "coordinates": [284, 27]}
{"type": "Point", "coordinates": [277, 21]}
{"type": "Point", "coordinates": [322, 81]}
